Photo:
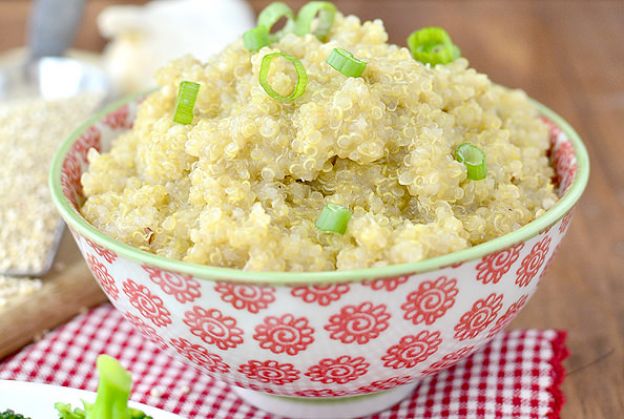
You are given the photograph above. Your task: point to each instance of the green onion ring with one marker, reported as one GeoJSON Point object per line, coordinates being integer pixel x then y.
{"type": "Point", "coordinates": [187, 95]}
{"type": "Point", "coordinates": [300, 84]}
{"type": "Point", "coordinates": [474, 160]}
{"type": "Point", "coordinates": [272, 14]}
{"type": "Point", "coordinates": [333, 218]}
{"type": "Point", "coordinates": [432, 45]}
{"type": "Point", "coordinates": [344, 62]}
{"type": "Point", "coordinates": [326, 12]}
{"type": "Point", "coordinates": [256, 38]}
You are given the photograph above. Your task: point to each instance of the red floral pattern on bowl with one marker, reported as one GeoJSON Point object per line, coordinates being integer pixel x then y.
{"type": "Point", "coordinates": [412, 350]}
{"type": "Point", "coordinates": [531, 264]}
{"type": "Point", "coordinates": [246, 297]}
{"type": "Point", "coordinates": [270, 372]}
{"type": "Point", "coordinates": [316, 340]}
{"type": "Point", "coordinates": [148, 331]}
{"type": "Point", "coordinates": [387, 384]}
{"type": "Point", "coordinates": [511, 312]}
{"type": "Point", "coordinates": [358, 324]}
{"type": "Point", "coordinates": [108, 255]}
{"type": "Point", "coordinates": [322, 295]}
{"type": "Point", "coordinates": [341, 370]}
{"type": "Point", "coordinates": [100, 272]}
{"type": "Point", "coordinates": [286, 334]}
{"type": "Point", "coordinates": [479, 317]}
{"type": "Point", "coordinates": [150, 306]}
{"type": "Point", "coordinates": [199, 355]}
{"type": "Point", "coordinates": [213, 327]}
{"type": "Point", "coordinates": [448, 360]}
{"type": "Point", "coordinates": [387, 284]}
{"type": "Point", "coordinates": [181, 287]}
{"type": "Point", "coordinates": [492, 267]}
{"type": "Point", "coordinates": [431, 300]}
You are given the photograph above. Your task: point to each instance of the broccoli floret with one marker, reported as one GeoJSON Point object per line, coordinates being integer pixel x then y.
{"type": "Point", "coordinates": [9, 414]}
{"type": "Point", "coordinates": [67, 412]}
{"type": "Point", "coordinates": [137, 414]}
{"type": "Point", "coordinates": [112, 395]}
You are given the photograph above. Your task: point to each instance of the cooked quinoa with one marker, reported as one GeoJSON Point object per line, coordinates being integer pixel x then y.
{"type": "Point", "coordinates": [243, 184]}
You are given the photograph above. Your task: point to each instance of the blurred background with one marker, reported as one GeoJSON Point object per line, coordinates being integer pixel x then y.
{"type": "Point", "coordinates": [567, 54]}
{"type": "Point", "coordinates": [517, 42]}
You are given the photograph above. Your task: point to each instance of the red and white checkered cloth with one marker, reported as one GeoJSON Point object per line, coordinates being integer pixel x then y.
{"type": "Point", "coordinates": [516, 376]}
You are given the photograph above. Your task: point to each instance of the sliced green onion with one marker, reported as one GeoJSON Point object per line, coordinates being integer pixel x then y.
{"type": "Point", "coordinates": [474, 160]}
{"type": "Point", "coordinates": [432, 45]}
{"type": "Point", "coordinates": [272, 14]}
{"type": "Point", "coordinates": [300, 84]}
{"type": "Point", "coordinates": [187, 95]}
{"type": "Point", "coordinates": [326, 12]}
{"type": "Point", "coordinates": [256, 38]}
{"type": "Point", "coordinates": [333, 218]}
{"type": "Point", "coordinates": [344, 62]}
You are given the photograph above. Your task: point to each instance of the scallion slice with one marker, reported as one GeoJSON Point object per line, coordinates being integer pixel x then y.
{"type": "Point", "coordinates": [256, 38]}
{"type": "Point", "coordinates": [333, 218]}
{"type": "Point", "coordinates": [474, 160]}
{"type": "Point", "coordinates": [187, 95]}
{"type": "Point", "coordinates": [326, 12]}
{"type": "Point", "coordinates": [300, 84]}
{"type": "Point", "coordinates": [344, 62]}
{"type": "Point", "coordinates": [432, 45]}
{"type": "Point", "coordinates": [272, 14]}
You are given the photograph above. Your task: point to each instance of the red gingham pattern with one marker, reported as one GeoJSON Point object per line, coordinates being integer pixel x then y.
{"type": "Point", "coordinates": [517, 375]}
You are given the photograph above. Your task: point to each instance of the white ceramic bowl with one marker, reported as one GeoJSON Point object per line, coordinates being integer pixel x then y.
{"type": "Point", "coordinates": [320, 336]}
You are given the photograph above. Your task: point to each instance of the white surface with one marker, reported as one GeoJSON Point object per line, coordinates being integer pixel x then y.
{"type": "Point", "coordinates": [346, 408]}
{"type": "Point", "coordinates": [37, 400]}
{"type": "Point", "coordinates": [144, 38]}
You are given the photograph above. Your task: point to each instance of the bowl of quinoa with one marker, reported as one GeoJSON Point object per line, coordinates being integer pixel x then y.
{"type": "Point", "coordinates": [320, 211]}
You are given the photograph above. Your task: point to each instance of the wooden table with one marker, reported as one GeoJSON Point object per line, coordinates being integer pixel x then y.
{"type": "Point", "coordinates": [570, 56]}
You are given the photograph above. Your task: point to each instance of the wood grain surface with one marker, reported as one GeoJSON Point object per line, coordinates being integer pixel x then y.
{"type": "Point", "coordinates": [570, 56]}
{"type": "Point", "coordinates": [67, 290]}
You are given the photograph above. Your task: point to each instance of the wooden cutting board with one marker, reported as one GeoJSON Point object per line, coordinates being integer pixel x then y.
{"type": "Point", "coordinates": [68, 289]}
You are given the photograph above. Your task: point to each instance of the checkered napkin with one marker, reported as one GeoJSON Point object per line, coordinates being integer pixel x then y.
{"type": "Point", "coordinates": [517, 375]}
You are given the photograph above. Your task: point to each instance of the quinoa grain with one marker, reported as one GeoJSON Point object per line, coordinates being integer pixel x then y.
{"type": "Point", "coordinates": [30, 132]}
{"type": "Point", "coordinates": [12, 288]}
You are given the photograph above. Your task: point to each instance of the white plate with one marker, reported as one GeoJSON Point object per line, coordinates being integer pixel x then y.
{"type": "Point", "coordinates": [37, 400]}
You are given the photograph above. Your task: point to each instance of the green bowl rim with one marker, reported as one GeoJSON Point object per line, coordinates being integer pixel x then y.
{"type": "Point", "coordinates": [80, 225]}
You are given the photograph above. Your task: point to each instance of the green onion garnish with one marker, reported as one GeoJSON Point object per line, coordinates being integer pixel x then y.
{"type": "Point", "coordinates": [300, 84]}
{"type": "Point", "coordinates": [326, 12]}
{"type": "Point", "coordinates": [256, 38]}
{"type": "Point", "coordinates": [333, 218]}
{"type": "Point", "coordinates": [432, 45]}
{"type": "Point", "coordinates": [187, 95]}
{"type": "Point", "coordinates": [474, 160]}
{"type": "Point", "coordinates": [272, 14]}
{"type": "Point", "coordinates": [344, 62]}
